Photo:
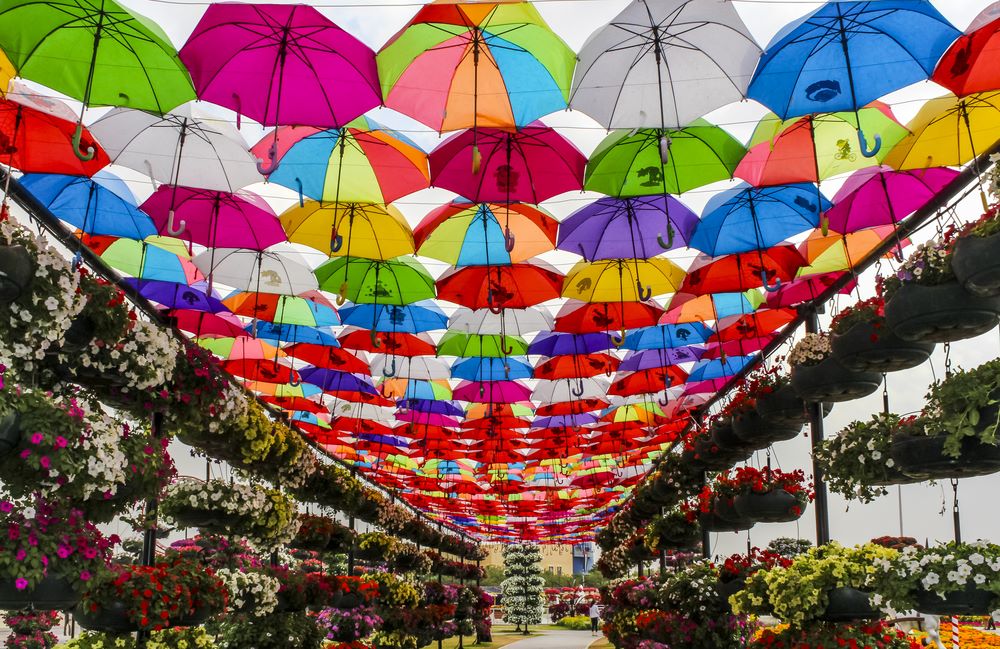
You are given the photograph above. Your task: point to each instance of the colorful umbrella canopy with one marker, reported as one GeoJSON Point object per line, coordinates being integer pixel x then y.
{"type": "Point", "coordinates": [396, 281]}
{"type": "Point", "coordinates": [517, 322]}
{"type": "Point", "coordinates": [102, 205]}
{"type": "Point", "coordinates": [155, 258]}
{"type": "Point", "coordinates": [612, 228]}
{"type": "Point", "coordinates": [461, 65]}
{"type": "Point", "coordinates": [177, 295]}
{"type": "Point", "coordinates": [948, 132]}
{"type": "Point", "coordinates": [528, 165]}
{"type": "Point", "coordinates": [834, 252]}
{"type": "Point", "coordinates": [625, 280]}
{"type": "Point", "coordinates": [455, 343]}
{"type": "Point", "coordinates": [689, 308]}
{"type": "Point", "coordinates": [260, 271]}
{"type": "Point", "coordinates": [656, 161]}
{"type": "Point", "coordinates": [881, 196]}
{"type": "Point", "coordinates": [331, 358]}
{"type": "Point", "coordinates": [967, 67]}
{"type": "Point", "coordinates": [398, 344]}
{"type": "Point", "coordinates": [361, 162]}
{"type": "Point", "coordinates": [468, 234]}
{"type": "Point", "coordinates": [664, 64]}
{"type": "Point", "coordinates": [282, 309]}
{"type": "Point", "coordinates": [500, 287]}
{"type": "Point", "coordinates": [281, 64]}
{"type": "Point", "coordinates": [577, 317]}
{"type": "Point", "coordinates": [7, 72]}
{"type": "Point", "coordinates": [409, 318]}
{"type": "Point", "coordinates": [743, 271]}
{"type": "Point", "coordinates": [491, 369]}
{"type": "Point", "coordinates": [667, 336]}
{"type": "Point", "coordinates": [363, 230]}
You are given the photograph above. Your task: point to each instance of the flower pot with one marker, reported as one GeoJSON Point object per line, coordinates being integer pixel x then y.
{"type": "Point", "coordinates": [828, 380]}
{"type": "Point", "coordinates": [712, 522]}
{"type": "Point", "coordinates": [289, 604]}
{"type": "Point", "coordinates": [313, 543]}
{"type": "Point", "coordinates": [79, 334]}
{"type": "Point", "coordinates": [923, 457]}
{"type": "Point", "coordinates": [775, 506]}
{"type": "Point", "coordinates": [199, 615]}
{"type": "Point", "coordinates": [725, 509]}
{"type": "Point", "coordinates": [711, 456]}
{"type": "Point", "coordinates": [971, 600]}
{"type": "Point", "coordinates": [753, 429]}
{"type": "Point", "coordinates": [940, 313]}
{"type": "Point", "coordinates": [976, 263]}
{"type": "Point", "coordinates": [846, 604]}
{"type": "Point", "coordinates": [17, 270]}
{"type": "Point", "coordinates": [662, 492]}
{"type": "Point", "coordinates": [784, 405]}
{"type": "Point", "coordinates": [725, 437]}
{"type": "Point", "coordinates": [679, 538]}
{"type": "Point", "coordinates": [50, 594]}
{"type": "Point", "coordinates": [867, 348]}
{"type": "Point", "coordinates": [10, 432]}
{"type": "Point", "coordinates": [110, 618]}
{"type": "Point", "coordinates": [729, 588]}
{"type": "Point", "coordinates": [209, 519]}
{"type": "Point", "coordinates": [345, 600]}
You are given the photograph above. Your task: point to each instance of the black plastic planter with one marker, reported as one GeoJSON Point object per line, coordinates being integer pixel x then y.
{"type": "Point", "coordinates": [51, 594]}
{"type": "Point", "coordinates": [725, 509]}
{"type": "Point", "coordinates": [753, 429]}
{"type": "Point", "coordinates": [940, 314]}
{"type": "Point", "coordinates": [79, 334]}
{"type": "Point", "coordinates": [110, 618]}
{"type": "Point", "coordinates": [209, 519]}
{"type": "Point", "coordinates": [847, 604]}
{"type": "Point", "coordinates": [784, 405]}
{"type": "Point", "coordinates": [775, 506]}
{"type": "Point", "coordinates": [10, 432]}
{"type": "Point", "coordinates": [345, 600]}
{"type": "Point", "coordinates": [196, 617]}
{"type": "Point", "coordinates": [867, 348]}
{"type": "Point", "coordinates": [729, 588]}
{"type": "Point", "coordinates": [314, 543]}
{"type": "Point", "coordinates": [968, 601]}
{"type": "Point", "coordinates": [713, 457]}
{"type": "Point", "coordinates": [17, 269]}
{"type": "Point", "coordinates": [725, 437]}
{"type": "Point", "coordinates": [711, 522]}
{"type": "Point", "coordinates": [828, 380]}
{"type": "Point", "coordinates": [923, 457]}
{"type": "Point", "coordinates": [680, 538]}
{"type": "Point", "coordinates": [976, 262]}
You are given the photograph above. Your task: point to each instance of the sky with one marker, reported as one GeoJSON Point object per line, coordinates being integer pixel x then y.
{"type": "Point", "coordinates": [926, 509]}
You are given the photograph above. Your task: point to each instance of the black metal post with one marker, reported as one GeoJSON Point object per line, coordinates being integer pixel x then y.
{"type": "Point", "coordinates": [350, 550]}
{"type": "Point", "coordinates": [816, 435]}
{"type": "Point", "coordinates": [955, 514]}
{"type": "Point", "coordinates": [148, 557]}
{"type": "Point", "coordinates": [706, 536]}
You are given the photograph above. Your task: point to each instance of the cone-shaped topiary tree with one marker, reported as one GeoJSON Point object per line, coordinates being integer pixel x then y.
{"type": "Point", "coordinates": [522, 585]}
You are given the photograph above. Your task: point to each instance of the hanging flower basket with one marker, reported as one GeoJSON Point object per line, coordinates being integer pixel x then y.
{"type": "Point", "coordinates": [50, 594]}
{"type": "Point", "coordinates": [923, 457]}
{"type": "Point", "coordinates": [710, 455]}
{"type": "Point", "coordinates": [968, 601]}
{"type": "Point", "coordinates": [79, 334]}
{"type": "Point", "coordinates": [10, 432]}
{"type": "Point", "coordinates": [775, 506]}
{"type": "Point", "coordinates": [941, 313]}
{"type": "Point", "coordinates": [724, 435]}
{"type": "Point", "coordinates": [828, 380]}
{"type": "Point", "coordinates": [109, 618]}
{"type": "Point", "coordinates": [711, 522]}
{"type": "Point", "coordinates": [17, 269]}
{"type": "Point", "coordinates": [752, 428]}
{"type": "Point", "coordinates": [209, 519]}
{"type": "Point", "coordinates": [976, 263]}
{"type": "Point", "coordinates": [847, 604]}
{"type": "Point", "coordinates": [866, 347]}
{"type": "Point", "coordinates": [783, 406]}
{"type": "Point", "coordinates": [725, 508]}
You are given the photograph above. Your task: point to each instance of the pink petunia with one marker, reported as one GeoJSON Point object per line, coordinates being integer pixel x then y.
{"type": "Point", "coordinates": [37, 438]}
{"type": "Point", "coordinates": [84, 575]}
{"type": "Point", "coordinates": [61, 442]}
{"type": "Point", "coordinates": [21, 583]}
{"type": "Point", "coordinates": [45, 462]}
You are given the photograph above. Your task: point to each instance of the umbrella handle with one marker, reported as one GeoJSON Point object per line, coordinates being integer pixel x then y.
{"type": "Point", "coordinates": [577, 389]}
{"type": "Point", "coordinates": [342, 294]}
{"type": "Point", "coordinates": [618, 342]}
{"type": "Point", "coordinates": [865, 151]}
{"type": "Point", "coordinates": [336, 242]}
{"type": "Point", "coordinates": [670, 238]}
{"type": "Point", "coordinates": [508, 240]}
{"type": "Point", "coordinates": [508, 351]}
{"type": "Point", "coordinates": [770, 288]}
{"type": "Point", "coordinates": [391, 373]}
{"type": "Point", "coordinates": [294, 382]}
{"type": "Point", "coordinates": [665, 143]}
{"type": "Point", "coordinates": [376, 343]}
{"type": "Point", "coordinates": [77, 136]}
{"type": "Point", "coordinates": [643, 293]}
{"type": "Point", "coordinates": [272, 165]}
{"type": "Point", "coordinates": [495, 310]}
{"type": "Point", "coordinates": [175, 228]}
{"type": "Point", "coordinates": [608, 372]}
{"type": "Point", "coordinates": [302, 198]}
{"type": "Point", "coordinates": [824, 225]}
{"type": "Point", "coordinates": [663, 402]}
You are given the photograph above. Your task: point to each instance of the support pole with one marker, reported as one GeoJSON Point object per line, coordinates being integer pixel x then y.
{"type": "Point", "coordinates": [350, 550]}
{"type": "Point", "coordinates": [816, 434]}
{"type": "Point", "coordinates": [706, 536]}
{"type": "Point", "coordinates": [956, 515]}
{"type": "Point", "coordinates": [148, 557]}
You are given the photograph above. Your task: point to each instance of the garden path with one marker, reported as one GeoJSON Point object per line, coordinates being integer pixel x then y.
{"type": "Point", "coordinates": [555, 640]}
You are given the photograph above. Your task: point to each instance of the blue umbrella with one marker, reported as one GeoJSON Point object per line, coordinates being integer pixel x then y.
{"type": "Point", "coordinates": [438, 407]}
{"type": "Point", "coordinates": [564, 421]}
{"type": "Point", "coordinates": [491, 369]}
{"type": "Point", "coordinates": [667, 336]}
{"type": "Point", "coordinates": [847, 54]}
{"type": "Point", "coordinates": [175, 295]}
{"type": "Point", "coordinates": [550, 343]}
{"type": "Point", "coordinates": [101, 205]}
{"type": "Point", "coordinates": [410, 318]}
{"type": "Point", "coordinates": [283, 333]}
{"type": "Point", "coordinates": [718, 368]}
{"type": "Point", "coordinates": [745, 218]}
{"type": "Point", "coordinates": [332, 380]}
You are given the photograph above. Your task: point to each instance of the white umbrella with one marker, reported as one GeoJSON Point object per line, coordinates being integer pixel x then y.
{"type": "Point", "coordinates": [178, 148]}
{"type": "Point", "coordinates": [416, 367]}
{"type": "Point", "coordinates": [381, 414]}
{"type": "Point", "coordinates": [261, 271]}
{"type": "Point", "coordinates": [566, 390]}
{"type": "Point", "coordinates": [664, 63]}
{"type": "Point", "coordinates": [514, 322]}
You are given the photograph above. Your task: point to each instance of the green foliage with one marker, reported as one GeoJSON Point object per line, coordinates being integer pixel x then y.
{"type": "Point", "coordinates": [575, 622]}
{"type": "Point", "coordinates": [278, 631]}
{"type": "Point", "coordinates": [943, 569]}
{"type": "Point", "coordinates": [789, 547]}
{"type": "Point", "coordinates": [955, 406]}
{"type": "Point", "coordinates": [856, 463]}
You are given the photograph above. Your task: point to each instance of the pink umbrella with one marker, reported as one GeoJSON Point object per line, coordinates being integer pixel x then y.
{"type": "Point", "coordinates": [492, 392]}
{"type": "Point", "coordinates": [216, 219]}
{"type": "Point", "coordinates": [200, 323]}
{"type": "Point", "coordinates": [492, 164]}
{"type": "Point", "coordinates": [881, 196]}
{"type": "Point", "coordinates": [806, 288]}
{"type": "Point", "coordinates": [281, 64]}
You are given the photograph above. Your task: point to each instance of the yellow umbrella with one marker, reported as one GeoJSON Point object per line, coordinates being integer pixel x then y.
{"type": "Point", "coordinates": [622, 280]}
{"type": "Point", "coordinates": [948, 132]}
{"type": "Point", "coordinates": [7, 72]}
{"type": "Point", "coordinates": [364, 230]}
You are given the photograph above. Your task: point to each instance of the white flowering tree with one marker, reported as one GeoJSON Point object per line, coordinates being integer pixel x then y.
{"type": "Point", "coordinates": [522, 585]}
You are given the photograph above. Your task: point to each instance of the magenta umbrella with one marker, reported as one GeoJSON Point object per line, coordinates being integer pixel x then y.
{"type": "Point", "coordinates": [216, 219]}
{"type": "Point", "coordinates": [281, 64]}
{"type": "Point", "coordinates": [500, 165]}
{"type": "Point", "coordinates": [492, 392]}
{"type": "Point", "coordinates": [881, 196]}
{"type": "Point", "coordinates": [806, 288]}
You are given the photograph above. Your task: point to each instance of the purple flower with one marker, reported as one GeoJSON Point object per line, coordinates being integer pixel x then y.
{"type": "Point", "coordinates": [21, 583]}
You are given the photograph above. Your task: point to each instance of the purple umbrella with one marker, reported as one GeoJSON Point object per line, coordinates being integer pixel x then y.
{"type": "Point", "coordinates": [215, 219]}
{"type": "Point", "coordinates": [563, 344]}
{"type": "Point", "coordinates": [492, 392]}
{"type": "Point", "coordinates": [881, 196]}
{"type": "Point", "coordinates": [564, 421]}
{"type": "Point", "coordinates": [334, 381]}
{"type": "Point", "coordinates": [281, 64]}
{"type": "Point", "coordinates": [174, 295]}
{"type": "Point", "coordinates": [641, 227]}
{"type": "Point", "coordinates": [648, 359]}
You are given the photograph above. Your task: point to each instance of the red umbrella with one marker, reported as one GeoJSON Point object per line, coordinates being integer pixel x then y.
{"type": "Point", "coordinates": [573, 366]}
{"type": "Point", "coordinates": [742, 271]}
{"type": "Point", "coordinates": [739, 347]}
{"type": "Point", "coordinates": [595, 317]}
{"type": "Point", "coordinates": [648, 381]}
{"type": "Point", "coordinates": [207, 324]}
{"type": "Point", "coordinates": [256, 369]}
{"type": "Point", "coordinates": [331, 358]}
{"type": "Point", "coordinates": [752, 325]}
{"type": "Point", "coordinates": [969, 65]}
{"type": "Point", "coordinates": [575, 407]}
{"type": "Point", "coordinates": [294, 403]}
{"type": "Point", "coordinates": [500, 287]}
{"type": "Point", "coordinates": [360, 397]}
{"type": "Point", "coordinates": [399, 344]}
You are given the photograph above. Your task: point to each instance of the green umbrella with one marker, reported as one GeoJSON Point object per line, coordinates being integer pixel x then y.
{"type": "Point", "coordinates": [455, 343]}
{"type": "Point", "coordinates": [398, 281]}
{"type": "Point", "coordinates": [95, 51]}
{"type": "Point", "coordinates": [647, 162]}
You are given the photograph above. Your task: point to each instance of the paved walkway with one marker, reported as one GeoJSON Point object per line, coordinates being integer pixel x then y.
{"type": "Point", "coordinates": [555, 640]}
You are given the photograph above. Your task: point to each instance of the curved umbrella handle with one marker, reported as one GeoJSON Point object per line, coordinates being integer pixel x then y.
{"type": "Point", "coordinates": [865, 151]}
{"type": "Point", "coordinates": [770, 288]}
{"type": "Point", "coordinates": [177, 228]}
{"type": "Point", "coordinates": [824, 225]}
{"type": "Point", "coordinates": [670, 238]}
{"type": "Point", "coordinates": [336, 242]}
{"type": "Point", "coordinates": [477, 159]}
{"type": "Point", "coordinates": [77, 136]}
{"type": "Point", "coordinates": [239, 110]}
{"type": "Point", "coordinates": [618, 342]}
{"type": "Point", "coordinates": [272, 165]}
{"type": "Point", "coordinates": [391, 373]}
{"type": "Point", "coordinates": [508, 351]}
{"type": "Point", "coordinates": [293, 381]}
{"type": "Point", "coordinates": [342, 294]}
{"type": "Point", "coordinates": [302, 198]}
{"type": "Point", "coordinates": [663, 402]}
{"type": "Point", "coordinates": [665, 143]}
{"type": "Point", "coordinates": [495, 310]}
{"type": "Point", "coordinates": [577, 389]}
{"type": "Point", "coordinates": [608, 371]}
{"type": "Point", "coordinates": [644, 293]}
{"type": "Point", "coordinates": [508, 240]}
{"type": "Point", "coordinates": [376, 343]}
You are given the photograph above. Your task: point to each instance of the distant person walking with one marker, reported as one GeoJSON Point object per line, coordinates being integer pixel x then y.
{"type": "Point", "coordinates": [595, 617]}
